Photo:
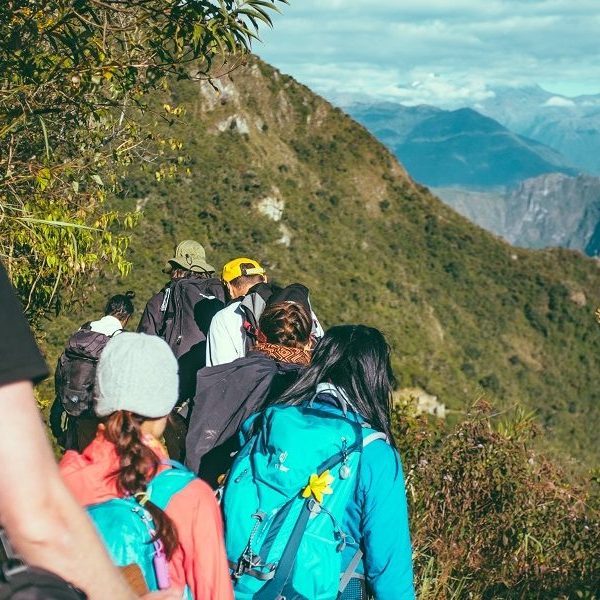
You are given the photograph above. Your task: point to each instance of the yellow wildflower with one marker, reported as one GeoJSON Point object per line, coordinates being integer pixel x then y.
{"type": "Point", "coordinates": [318, 485]}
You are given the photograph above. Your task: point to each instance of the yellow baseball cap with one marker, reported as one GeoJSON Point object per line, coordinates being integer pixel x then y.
{"type": "Point", "coordinates": [234, 269]}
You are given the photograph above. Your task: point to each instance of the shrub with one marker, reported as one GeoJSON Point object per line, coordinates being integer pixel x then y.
{"type": "Point", "coordinates": [491, 519]}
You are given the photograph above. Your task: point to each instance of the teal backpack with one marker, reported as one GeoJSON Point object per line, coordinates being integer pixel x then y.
{"type": "Point", "coordinates": [127, 528]}
{"type": "Point", "coordinates": [284, 503]}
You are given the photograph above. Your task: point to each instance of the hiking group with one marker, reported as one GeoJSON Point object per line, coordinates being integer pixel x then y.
{"type": "Point", "coordinates": [292, 487]}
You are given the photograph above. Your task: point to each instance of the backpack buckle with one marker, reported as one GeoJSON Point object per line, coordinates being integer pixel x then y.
{"type": "Point", "coordinates": [314, 507]}
{"type": "Point", "coordinates": [12, 567]}
{"type": "Point", "coordinates": [247, 561]}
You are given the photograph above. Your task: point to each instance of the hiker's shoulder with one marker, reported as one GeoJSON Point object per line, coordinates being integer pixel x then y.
{"type": "Point", "coordinates": [229, 313]}
{"type": "Point", "coordinates": [380, 461]}
{"type": "Point", "coordinates": [244, 366]}
{"type": "Point", "coordinates": [157, 298]}
{"type": "Point", "coordinates": [379, 450]}
{"type": "Point", "coordinates": [196, 497]}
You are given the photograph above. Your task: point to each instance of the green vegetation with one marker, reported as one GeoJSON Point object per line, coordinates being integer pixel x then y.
{"type": "Point", "coordinates": [75, 76]}
{"type": "Point", "coordinates": [490, 517]}
{"type": "Point", "coordinates": [464, 312]}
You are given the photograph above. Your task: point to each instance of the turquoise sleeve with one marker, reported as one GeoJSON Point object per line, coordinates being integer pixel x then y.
{"type": "Point", "coordinates": [384, 527]}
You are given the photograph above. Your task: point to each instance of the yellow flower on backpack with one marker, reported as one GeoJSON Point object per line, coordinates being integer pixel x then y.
{"type": "Point", "coordinates": [318, 485]}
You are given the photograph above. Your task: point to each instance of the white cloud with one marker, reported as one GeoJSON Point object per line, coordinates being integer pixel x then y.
{"type": "Point", "coordinates": [380, 48]}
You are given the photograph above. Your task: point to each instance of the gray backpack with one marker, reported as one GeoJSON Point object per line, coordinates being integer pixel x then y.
{"type": "Point", "coordinates": [76, 371]}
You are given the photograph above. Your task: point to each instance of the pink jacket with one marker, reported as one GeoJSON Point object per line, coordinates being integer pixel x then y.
{"type": "Point", "coordinates": [200, 560]}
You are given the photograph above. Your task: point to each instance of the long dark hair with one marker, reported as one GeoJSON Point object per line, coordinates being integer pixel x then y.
{"type": "Point", "coordinates": [356, 359]}
{"type": "Point", "coordinates": [138, 464]}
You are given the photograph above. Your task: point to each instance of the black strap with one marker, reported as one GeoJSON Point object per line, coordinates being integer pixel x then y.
{"type": "Point", "coordinates": [260, 575]}
{"type": "Point", "coordinates": [273, 589]}
{"type": "Point", "coordinates": [32, 582]}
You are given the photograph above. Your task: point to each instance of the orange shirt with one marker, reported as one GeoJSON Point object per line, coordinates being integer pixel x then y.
{"type": "Point", "coordinates": [200, 560]}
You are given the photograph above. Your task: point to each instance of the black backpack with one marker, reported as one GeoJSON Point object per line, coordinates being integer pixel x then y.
{"type": "Point", "coordinates": [76, 371]}
{"type": "Point", "coordinates": [188, 307]}
{"type": "Point", "coordinates": [19, 581]}
{"type": "Point", "coordinates": [253, 304]}
{"type": "Point", "coordinates": [262, 295]}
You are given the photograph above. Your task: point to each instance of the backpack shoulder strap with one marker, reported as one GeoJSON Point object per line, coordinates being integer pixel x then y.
{"type": "Point", "coordinates": [168, 483]}
{"type": "Point", "coordinates": [357, 557]}
{"type": "Point", "coordinates": [164, 309]}
{"type": "Point", "coordinates": [375, 435]}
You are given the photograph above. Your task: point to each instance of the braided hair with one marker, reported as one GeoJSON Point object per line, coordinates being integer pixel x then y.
{"type": "Point", "coordinates": [138, 465]}
{"type": "Point", "coordinates": [286, 324]}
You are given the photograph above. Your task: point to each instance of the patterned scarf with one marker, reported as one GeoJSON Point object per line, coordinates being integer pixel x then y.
{"type": "Point", "coordinates": [295, 356]}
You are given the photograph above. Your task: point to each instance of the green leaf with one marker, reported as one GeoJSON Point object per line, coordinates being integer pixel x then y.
{"type": "Point", "coordinates": [43, 178]}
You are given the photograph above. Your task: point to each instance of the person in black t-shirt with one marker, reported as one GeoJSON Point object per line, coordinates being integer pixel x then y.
{"type": "Point", "coordinates": [20, 358]}
{"type": "Point", "coordinates": [44, 523]}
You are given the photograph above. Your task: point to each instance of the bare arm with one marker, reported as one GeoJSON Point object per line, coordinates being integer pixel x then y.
{"type": "Point", "coordinates": [45, 524]}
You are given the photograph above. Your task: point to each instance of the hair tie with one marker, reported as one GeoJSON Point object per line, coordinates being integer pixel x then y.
{"type": "Point", "coordinates": [142, 498]}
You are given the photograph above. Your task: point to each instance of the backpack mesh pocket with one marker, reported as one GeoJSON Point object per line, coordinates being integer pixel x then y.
{"type": "Point", "coordinates": [355, 590]}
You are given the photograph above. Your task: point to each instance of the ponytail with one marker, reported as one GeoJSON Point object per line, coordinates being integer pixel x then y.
{"type": "Point", "coordinates": [138, 464]}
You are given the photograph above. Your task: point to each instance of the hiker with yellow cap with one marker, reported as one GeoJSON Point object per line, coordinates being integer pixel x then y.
{"type": "Point", "coordinates": [234, 330]}
{"type": "Point", "coordinates": [181, 314]}
{"type": "Point", "coordinates": [227, 336]}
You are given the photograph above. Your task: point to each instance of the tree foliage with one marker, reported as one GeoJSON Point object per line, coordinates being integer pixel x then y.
{"type": "Point", "coordinates": [75, 77]}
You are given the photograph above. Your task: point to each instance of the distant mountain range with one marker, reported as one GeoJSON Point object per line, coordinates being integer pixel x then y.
{"type": "Point", "coordinates": [460, 147]}
{"type": "Point", "coordinates": [569, 125]}
{"type": "Point", "coordinates": [520, 164]}
{"type": "Point", "coordinates": [550, 210]}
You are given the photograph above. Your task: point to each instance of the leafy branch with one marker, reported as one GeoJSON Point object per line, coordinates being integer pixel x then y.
{"type": "Point", "coordinates": [76, 79]}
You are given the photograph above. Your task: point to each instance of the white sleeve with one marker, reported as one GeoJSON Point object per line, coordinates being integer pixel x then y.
{"type": "Point", "coordinates": [225, 341]}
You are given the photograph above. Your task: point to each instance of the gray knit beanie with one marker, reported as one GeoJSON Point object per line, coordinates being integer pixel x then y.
{"type": "Point", "coordinates": [136, 372]}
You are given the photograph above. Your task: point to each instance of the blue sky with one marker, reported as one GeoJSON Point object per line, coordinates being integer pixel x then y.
{"type": "Point", "coordinates": [443, 52]}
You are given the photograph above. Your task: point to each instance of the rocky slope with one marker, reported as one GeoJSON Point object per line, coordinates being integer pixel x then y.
{"type": "Point", "coordinates": [278, 173]}
{"type": "Point", "coordinates": [547, 211]}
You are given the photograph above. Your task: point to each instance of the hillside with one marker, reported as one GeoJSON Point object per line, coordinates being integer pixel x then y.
{"type": "Point", "coordinates": [278, 173]}
{"type": "Point", "coordinates": [546, 211]}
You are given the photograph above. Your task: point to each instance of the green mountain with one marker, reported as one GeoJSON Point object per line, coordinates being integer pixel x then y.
{"type": "Point", "coordinates": [462, 147]}
{"type": "Point", "coordinates": [277, 173]}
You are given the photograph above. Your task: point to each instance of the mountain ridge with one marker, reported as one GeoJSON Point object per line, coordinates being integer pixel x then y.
{"type": "Point", "coordinates": [458, 147]}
